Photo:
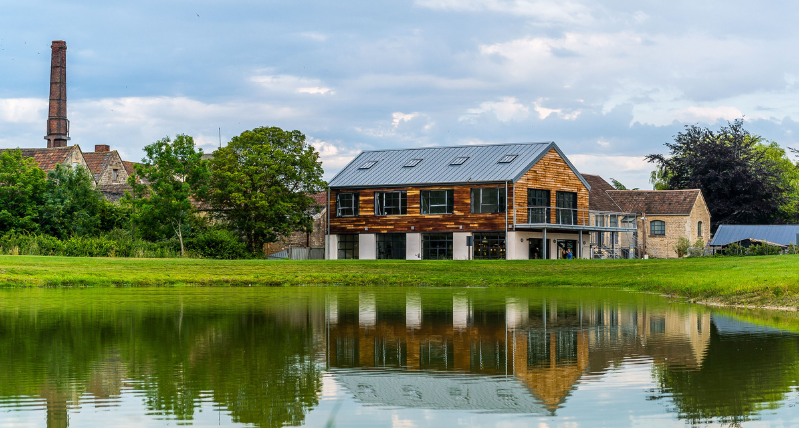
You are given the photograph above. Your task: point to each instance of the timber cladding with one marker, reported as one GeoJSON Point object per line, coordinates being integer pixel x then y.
{"type": "Point", "coordinates": [550, 173]}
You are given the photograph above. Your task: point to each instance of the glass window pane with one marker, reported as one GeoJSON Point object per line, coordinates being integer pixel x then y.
{"type": "Point", "coordinates": [391, 246]}
{"type": "Point", "coordinates": [489, 245]}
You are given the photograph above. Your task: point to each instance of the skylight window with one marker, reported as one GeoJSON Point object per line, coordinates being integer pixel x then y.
{"type": "Point", "coordinates": [507, 158]}
{"type": "Point", "coordinates": [412, 163]}
{"type": "Point", "coordinates": [459, 160]}
{"type": "Point", "coordinates": [368, 165]}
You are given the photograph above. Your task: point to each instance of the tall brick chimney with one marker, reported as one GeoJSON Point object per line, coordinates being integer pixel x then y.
{"type": "Point", "coordinates": [57, 123]}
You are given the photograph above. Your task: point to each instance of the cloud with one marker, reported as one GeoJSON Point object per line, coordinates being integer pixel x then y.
{"type": "Point", "coordinates": [334, 157]}
{"type": "Point", "coordinates": [544, 112]}
{"type": "Point", "coordinates": [288, 83]}
{"type": "Point", "coordinates": [505, 110]}
{"type": "Point", "coordinates": [549, 11]}
{"type": "Point", "coordinates": [708, 114]}
{"type": "Point", "coordinates": [23, 110]}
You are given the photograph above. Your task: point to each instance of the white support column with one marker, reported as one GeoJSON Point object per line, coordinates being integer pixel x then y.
{"type": "Point", "coordinates": [580, 245]}
{"type": "Point", "coordinates": [367, 310]}
{"type": "Point", "coordinates": [413, 311]}
{"type": "Point", "coordinates": [459, 249]}
{"type": "Point", "coordinates": [544, 246]}
{"type": "Point", "coordinates": [367, 246]}
{"type": "Point", "coordinates": [460, 312]}
{"type": "Point", "coordinates": [332, 247]}
{"type": "Point", "coordinates": [413, 246]}
{"type": "Point", "coordinates": [516, 248]}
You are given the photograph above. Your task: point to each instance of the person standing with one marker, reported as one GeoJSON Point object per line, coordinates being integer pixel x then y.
{"type": "Point", "coordinates": [569, 255]}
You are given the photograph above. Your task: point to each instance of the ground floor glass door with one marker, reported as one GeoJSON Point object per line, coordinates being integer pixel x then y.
{"type": "Point", "coordinates": [566, 245]}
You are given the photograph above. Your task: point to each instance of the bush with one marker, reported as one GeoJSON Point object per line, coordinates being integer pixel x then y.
{"type": "Point", "coordinates": [682, 246]}
{"type": "Point", "coordinates": [217, 244]}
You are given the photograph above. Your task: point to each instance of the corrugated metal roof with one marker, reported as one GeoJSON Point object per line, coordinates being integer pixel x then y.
{"type": "Point", "coordinates": [784, 234]}
{"type": "Point", "coordinates": [482, 165]}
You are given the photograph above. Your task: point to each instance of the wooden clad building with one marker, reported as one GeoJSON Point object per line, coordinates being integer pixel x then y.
{"type": "Point", "coordinates": [508, 201]}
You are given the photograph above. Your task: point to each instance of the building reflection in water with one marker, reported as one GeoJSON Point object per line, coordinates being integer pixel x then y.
{"type": "Point", "coordinates": [518, 356]}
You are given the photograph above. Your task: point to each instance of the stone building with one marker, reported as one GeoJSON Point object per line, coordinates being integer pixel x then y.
{"type": "Point", "coordinates": [106, 166]}
{"type": "Point", "coordinates": [663, 216]}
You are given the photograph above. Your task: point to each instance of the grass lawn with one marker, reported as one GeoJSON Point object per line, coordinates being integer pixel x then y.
{"type": "Point", "coordinates": [768, 280]}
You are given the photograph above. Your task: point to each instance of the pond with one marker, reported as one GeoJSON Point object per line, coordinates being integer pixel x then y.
{"type": "Point", "coordinates": [389, 357]}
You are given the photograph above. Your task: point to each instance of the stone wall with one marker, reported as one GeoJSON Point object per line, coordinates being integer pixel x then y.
{"type": "Point", "coordinates": [107, 175]}
{"type": "Point", "coordinates": [315, 239]}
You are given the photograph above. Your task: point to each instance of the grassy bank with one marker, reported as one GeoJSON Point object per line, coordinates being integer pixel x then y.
{"type": "Point", "coordinates": [769, 280]}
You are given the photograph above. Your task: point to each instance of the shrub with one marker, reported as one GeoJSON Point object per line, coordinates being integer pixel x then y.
{"type": "Point", "coordinates": [217, 244]}
{"type": "Point", "coordinates": [682, 246]}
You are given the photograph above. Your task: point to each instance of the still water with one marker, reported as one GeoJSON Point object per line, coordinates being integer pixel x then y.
{"type": "Point", "coordinates": [389, 357]}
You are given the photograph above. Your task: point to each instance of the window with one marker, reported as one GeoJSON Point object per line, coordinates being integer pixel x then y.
{"type": "Point", "coordinates": [599, 220]}
{"type": "Point", "coordinates": [368, 165]}
{"type": "Point", "coordinates": [566, 203]}
{"type": "Point", "coordinates": [488, 200]}
{"type": "Point", "coordinates": [489, 245]}
{"type": "Point", "coordinates": [115, 175]}
{"type": "Point", "coordinates": [437, 246]}
{"type": "Point", "coordinates": [614, 220]}
{"type": "Point", "coordinates": [391, 203]}
{"type": "Point", "coordinates": [391, 246]}
{"type": "Point", "coordinates": [346, 204]}
{"type": "Point", "coordinates": [537, 203]}
{"type": "Point", "coordinates": [507, 158]}
{"type": "Point", "coordinates": [412, 163]}
{"type": "Point", "coordinates": [437, 201]}
{"type": "Point", "coordinates": [657, 228]}
{"type": "Point", "coordinates": [459, 160]}
{"type": "Point", "coordinates": [348, 246]}
{"type": "Point", "coordinates": [699, 229]}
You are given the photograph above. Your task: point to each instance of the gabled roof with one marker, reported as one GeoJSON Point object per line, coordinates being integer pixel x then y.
{"type": "Point", "coordinates": [784, 234]}
{"type": "Point", "coordinates": [96, 161]}
{"type": "Point", "coordinates": [598, 198]}
{"type": "Point", "coordinates": [47, 158]}
{"type": "Point", "coordinates": [129, 167]}
{"type": "Point", "coordinates": [380, 168]}
{"type": "Point", "coordinates": [655, 201]}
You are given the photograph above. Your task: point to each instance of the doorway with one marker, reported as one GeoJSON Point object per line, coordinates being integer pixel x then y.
{"type": "Point", "coordinates": [536, 249]}
{"type": "Point", "coordinates": [567, 245]}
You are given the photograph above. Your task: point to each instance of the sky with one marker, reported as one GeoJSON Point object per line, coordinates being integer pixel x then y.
{"type": "Point", "coordinates": [609, 81]}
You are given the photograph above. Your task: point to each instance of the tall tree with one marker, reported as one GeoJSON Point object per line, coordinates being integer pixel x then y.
{"type": "Point", "coordinates": [21, 187]}
{"type": "Point", "coordinates": [262, 180]}
{"type": "Point", "coordinates": [741, 182]}
{"type": "Point", "coordinates": [173, 172]}
{"type": "Point", "coordinates": [71, 206]}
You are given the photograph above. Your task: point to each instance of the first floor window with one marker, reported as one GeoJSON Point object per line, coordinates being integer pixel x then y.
{"type": "Point", "coordinates": [488, 200]}
{"type": "Point", "coordinates": [657, 227]}
{"type": "Point", "coordinates": [489, 245]}
{"type": "Point", "coordinates": [391, 203]}
{"type": "Point", "coordinates": [348, 246]}
{"type": "Point", "coordinates": [437, 201]}
{"type": "Point", "coordinates": [566, 203]}
{"type": "Point", "coordinates": [391, 246]}
{"type": "Point", "coordinates": [537, 203]}
{"type": "Point", "coordinates": [346, 204]}
{"type": "Point", "coordinates": [437, 246]}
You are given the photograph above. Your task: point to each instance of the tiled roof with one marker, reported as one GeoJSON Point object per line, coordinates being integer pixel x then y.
{"type": "Point", "coordinates": [47, 158]}
{"type": "Point", "coordinates": [598, 198]}
{"type": "Point", "coordinates": [320, 198]}
{"type": "Point", "coordinates": [97, 162]}
{"type": "Point", "coordinates": [129, 167]}
{"type": "Point", "coordinates": [655, 201]}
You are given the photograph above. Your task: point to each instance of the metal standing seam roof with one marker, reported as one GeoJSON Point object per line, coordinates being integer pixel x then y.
{"type": "Point", "coordinates": [784, 234]}
{"type": "Point", "coordinates": [435, 168]}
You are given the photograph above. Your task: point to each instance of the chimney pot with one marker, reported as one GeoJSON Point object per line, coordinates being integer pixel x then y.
{"type": "Point", "coordinates": [102, 148]}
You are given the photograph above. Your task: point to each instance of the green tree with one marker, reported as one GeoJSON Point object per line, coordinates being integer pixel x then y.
{"type": "Point", "coordinates": [173, 172]}
{"type": "Point", "coordinates": [21, 187]}
{"type": "Point", "coordinates": [262, 180]}
{"type": "Point", "coordinates": [739, 179]}
{"type": "Point", "coordinates": [72, 206]}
